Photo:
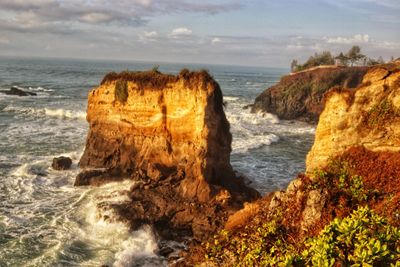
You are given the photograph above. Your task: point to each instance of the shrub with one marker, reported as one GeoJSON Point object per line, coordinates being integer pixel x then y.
{"type": "Point", "coordinates": [121, 91]}
{"type": "Point", "coordinates": [361, 239]}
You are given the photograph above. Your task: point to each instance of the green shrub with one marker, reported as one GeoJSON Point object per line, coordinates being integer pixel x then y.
{"type": "Point", "coordinates": [121, 91]}
{"type": "Point", "coordinates": [382, 113]}
{"type": "Point", "coordinates": [361, 239]}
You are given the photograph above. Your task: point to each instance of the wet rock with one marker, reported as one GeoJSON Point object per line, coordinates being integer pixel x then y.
{"type": "Point", "coordinates": [248, 106]}
{"type": "Point", "coordinates": [165, 251]}
{"type": "Point", "coordinates": [18, 92]}
{"type": "Point", "coordinates": [61, 163]}
{"type": "Point", "coordinates": [97, 177]}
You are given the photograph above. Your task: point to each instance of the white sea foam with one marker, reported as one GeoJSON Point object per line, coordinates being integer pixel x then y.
{"type": "Point", "coordinates": [103, 229]}
{"type": "Point", "coordinates": [242, 145]}
{"type": "Point", "coordinates": [70, 114]}
{"type": "Point", "coordinates": [38, 89]}
{"type": "Point", "coordinates": [231, 98]}
{"type": "Point", "coordinates": [60, 113]}
{"type": "Point", "coordinates": [141, 245]}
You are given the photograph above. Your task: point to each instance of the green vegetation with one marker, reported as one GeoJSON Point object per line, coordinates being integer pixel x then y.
{"type": "Point", "coordinates": [347, 233]}
{"type": "Point", "coordinates": [156, 68]}
{"type": "Point", "coordinates": [121, 91]}
{"type": "Point", "coordinates": [352, 57]}
{"type": "Point", "coordinates": [338, 179]}
{"type": "Point", "coordinates": [361, 239]}
{"type": "Point", "coordinates": [382, 113]}
{"type": "Point", "coordinates": [325, 58]}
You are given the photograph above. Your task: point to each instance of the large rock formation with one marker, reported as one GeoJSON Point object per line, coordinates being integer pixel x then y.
{"type": "Point", "coordinates": [300, 95]}
{"type": "Point", "coordinates": [368, 116]}
{"type": "Point", "coordinates": [170, 134]}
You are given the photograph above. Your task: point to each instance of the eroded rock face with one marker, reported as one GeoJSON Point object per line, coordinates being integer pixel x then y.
{"type": "Point", "coordinates": [300, 95]}
{"type": "Point", "coordinates": [368, 117]}
{"type": "Point", "coordinates": [170, 134]}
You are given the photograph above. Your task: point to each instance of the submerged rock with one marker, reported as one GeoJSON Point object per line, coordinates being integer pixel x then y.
{"type": "Point", "coordinates": [61, 163]}
{"type": "Point", "coordinates": [170, 134]}
{"type": "Point", "coordinates": [18, 92]}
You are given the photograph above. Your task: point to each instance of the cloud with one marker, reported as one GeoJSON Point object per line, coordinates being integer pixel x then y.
{"type": "Point", "coordinates": [216, 40]}
{"type": "Point", "coordinates": [148, 36]}
{"type": "Point", "coordinates": [180, 32]}
{"type": "Point", "coordinates": [95, 17]}
{"type": "Point", "coordinates": [124, 12]}
{"type": "Point", "coordinates": [356, 39]}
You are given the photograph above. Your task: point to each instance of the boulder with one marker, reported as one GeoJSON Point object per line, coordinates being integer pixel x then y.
{"type": "Point", "coordinates": [61, 163]}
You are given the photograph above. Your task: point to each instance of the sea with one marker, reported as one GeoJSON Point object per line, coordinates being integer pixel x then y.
{"type": "Point", "coordinates": [46, 221]}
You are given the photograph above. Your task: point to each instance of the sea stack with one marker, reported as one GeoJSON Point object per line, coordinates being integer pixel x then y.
{"type": "Point", "coordinates": [170, 134]}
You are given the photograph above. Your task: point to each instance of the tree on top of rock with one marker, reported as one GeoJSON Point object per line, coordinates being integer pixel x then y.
{"type": "Point", "coordinates": [341, 59]}
{"type": "Point", "coordinates": [354, 55]}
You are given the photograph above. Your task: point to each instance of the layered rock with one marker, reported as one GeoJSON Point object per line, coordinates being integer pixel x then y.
{"type": "Point", "coordinates": [300, 95]}
{"type": "Point", "coordinates": [368, 117]}
{"type": "Point", "coordinates": [170, 134]}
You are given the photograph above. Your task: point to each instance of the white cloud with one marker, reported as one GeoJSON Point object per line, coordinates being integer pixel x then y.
{"type": "Point", "coordinates": [358, 38]}
{"type": "Point", "coordinates": [148, 36]}
{"type": "Point", "coordinates": [95, 17]}
{"type": "Point", "coordinates": [180, 32]}
{"type": "Point", "coordinates": [151, 34]}
{"type": "Point", "coordinates": [216, 40]}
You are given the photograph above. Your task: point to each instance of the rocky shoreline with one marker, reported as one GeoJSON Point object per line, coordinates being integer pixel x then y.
{"type": "Point", "coordinates": [170, 135]}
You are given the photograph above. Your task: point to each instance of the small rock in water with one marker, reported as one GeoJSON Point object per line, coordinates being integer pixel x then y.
{"type": "Point", "coordinates": [61, 163]}
{"type": "Point", "coordinates": [248, 106]}
{"type": "Point", "coordinates": [16, 91]}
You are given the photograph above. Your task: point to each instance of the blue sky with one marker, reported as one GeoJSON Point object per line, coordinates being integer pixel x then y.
{"type": "Point", "coordinates": [263, 33]}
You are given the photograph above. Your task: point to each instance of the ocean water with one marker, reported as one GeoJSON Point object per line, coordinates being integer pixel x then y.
{"type": "Point", "coordinates": [45, 221]}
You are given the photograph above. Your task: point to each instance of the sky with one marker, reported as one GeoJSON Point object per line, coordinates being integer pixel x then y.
{"type": "Point", "coordinates": [266, 33]}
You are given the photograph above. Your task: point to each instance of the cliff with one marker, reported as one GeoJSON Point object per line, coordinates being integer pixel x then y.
{"type": "Point", "coordinates": [169, 134]}
{"type": "Point", "coordinates": [368, 117]}
{"type": "Point", "coordinates": [300, 95]}
{"type": "Point", "coordinates": [346, 209]}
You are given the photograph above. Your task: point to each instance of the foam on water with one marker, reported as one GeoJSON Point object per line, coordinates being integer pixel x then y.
{"type": "Point", "coordinates": [84, 222]}
{"type": "Point", "coordinates": [59, 113]}
{"type": "Point", "coordinates": [257, 136]}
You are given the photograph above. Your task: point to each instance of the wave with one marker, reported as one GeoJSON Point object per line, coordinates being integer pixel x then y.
{"type": "Point", "coordinates": [231, 98]}
{"type": "Point", "coordinates": [138, 250]}
{"type": "Point", "coordinates": [243, 145]}
{"type": "Point", "coordinates": [34, 89]}
{"type": "Point", "coordinates": [60, 113]}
